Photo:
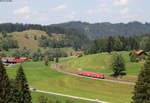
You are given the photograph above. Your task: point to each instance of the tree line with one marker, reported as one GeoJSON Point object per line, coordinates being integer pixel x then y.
{"type": "Point", "coordinates": [120, 43]}
{"type": "Point", "coordinates": [39, 55]}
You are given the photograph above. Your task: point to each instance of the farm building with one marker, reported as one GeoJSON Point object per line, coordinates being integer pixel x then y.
{"type": "Point", "coordinates": [23, 58]}
{"type": "Point", "coordinates": [140, 52]}
{"type": "Point", "coordinates": [10, 60]}
{"type": "Point", "coordinates": [140, 55]}
{"type": "Point", "coordinates": [79, 53]}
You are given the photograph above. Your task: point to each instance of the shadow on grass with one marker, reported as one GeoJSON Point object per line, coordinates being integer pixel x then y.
{"type": "Point", "coordinates": [118, 75]}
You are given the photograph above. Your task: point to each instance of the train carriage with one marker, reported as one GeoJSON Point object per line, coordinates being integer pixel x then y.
{"type": "Point", "coordinates": [94, 75]}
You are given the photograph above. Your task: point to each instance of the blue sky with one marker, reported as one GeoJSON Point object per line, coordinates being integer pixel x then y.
{"type": "Point", "coordinates": [58, 11]}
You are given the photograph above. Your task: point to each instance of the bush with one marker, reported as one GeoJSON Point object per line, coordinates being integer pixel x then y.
{"type": "Point", "coordinates": [133, 56]}
{"type": "Point", "coordinates": [2, 54]}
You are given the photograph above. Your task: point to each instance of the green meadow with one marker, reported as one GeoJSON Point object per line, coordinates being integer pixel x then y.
{"type": "Point", "coordinates": [46, 79]}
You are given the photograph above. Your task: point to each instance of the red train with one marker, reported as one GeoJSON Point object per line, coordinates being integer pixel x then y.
{"type": "Point", "coordinates": [89, 74]}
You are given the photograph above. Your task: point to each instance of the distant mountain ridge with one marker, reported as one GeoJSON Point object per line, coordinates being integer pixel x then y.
{"type": "Point", "coordinates": [105, 29]}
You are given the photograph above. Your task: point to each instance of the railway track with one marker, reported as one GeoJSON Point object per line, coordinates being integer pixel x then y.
{"type": "Point", "coordinates": [58, 68]}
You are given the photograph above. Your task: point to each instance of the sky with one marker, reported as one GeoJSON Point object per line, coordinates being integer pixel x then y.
{"type": "Point", "coordinates": [58, 11]}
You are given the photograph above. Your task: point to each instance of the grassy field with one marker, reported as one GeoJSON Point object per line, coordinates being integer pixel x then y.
{"type": "Point", "coordinates": [100, 63]}
{"type": "Point", "coordinates": [44, 78]}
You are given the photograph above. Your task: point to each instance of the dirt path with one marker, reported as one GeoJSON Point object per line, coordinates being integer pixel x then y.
{"type": "Point", "coordinates": [69, 96]}
{"type": "Point", "coordinates": [58, 68]}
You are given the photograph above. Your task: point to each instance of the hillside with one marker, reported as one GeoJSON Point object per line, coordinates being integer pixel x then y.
{"type": "Point", "coordinates": [108, 29]}
{"type": "Point", "coordinates": [100, 63]}
{"type": "Point", "coordinates": [30, 38]}
{"type": "Point", "coordinates": [27, 38]}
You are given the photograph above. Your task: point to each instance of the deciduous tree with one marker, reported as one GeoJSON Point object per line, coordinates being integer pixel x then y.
{"type": "Point", "coordinates": [118, 64]}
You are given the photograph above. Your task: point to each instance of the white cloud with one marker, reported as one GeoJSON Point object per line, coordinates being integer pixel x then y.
{"type": "Point", "coordinates": [60, 7]}
{"type": "Point", "coordinates": [25, 14]}
{"type": "Point", "coordinates": [104, 7]}
{"type": "Point", "coordinates": [72, 15]}
{"type": "Point", "coordinates": [99, 10]}
{"type": "Point", "coordinates": [124, 11]}
{"type": "Point", "coordinates": [24, 10]}
{"type": "Point", "coordinates": [121, 2]}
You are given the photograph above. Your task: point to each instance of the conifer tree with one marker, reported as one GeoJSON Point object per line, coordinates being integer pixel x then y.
{"type": "Point", "coordinates": [110, 44]}
{"type": "Point", "coordinates": [57, 59]}
{"type": "Point", "coordinates": [4, 85]}
{"type": "Point", "coordinates": [142, 87]}
{"type": "Point", "coordinates": [14, 93]}
{"type": "Point", "coordinates": [21, 84]}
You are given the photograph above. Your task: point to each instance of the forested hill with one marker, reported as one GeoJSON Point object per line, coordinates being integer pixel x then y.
{"type": "Point", "coordinates": [71, 37]}
{"type": "Point", "coordinates": [108, 29]}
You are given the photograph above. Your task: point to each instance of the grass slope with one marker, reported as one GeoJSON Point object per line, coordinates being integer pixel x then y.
{"type": "Point", "coordinates": [26, 38]}
{"type": "Point", "coordinates": [44, 78]}
{"type": "Point", "coordinates": [100, 63]}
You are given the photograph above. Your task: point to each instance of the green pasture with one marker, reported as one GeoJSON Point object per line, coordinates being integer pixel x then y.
{"type": "Point", "coordinates": [44, 78]}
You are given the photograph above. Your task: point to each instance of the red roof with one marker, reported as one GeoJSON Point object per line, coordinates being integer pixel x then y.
{"type": "Point", "coordinates": [139, 52]}
{"type": "Point", "coordinates": [18, 60]}
{"type": "Point", "coordinates": [23, 58]}
{"type": "Point", "coordinates": [9, 58]}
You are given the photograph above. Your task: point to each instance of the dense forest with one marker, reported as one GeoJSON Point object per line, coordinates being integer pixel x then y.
{"type": "Point", "coordinates": [101, 30]}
